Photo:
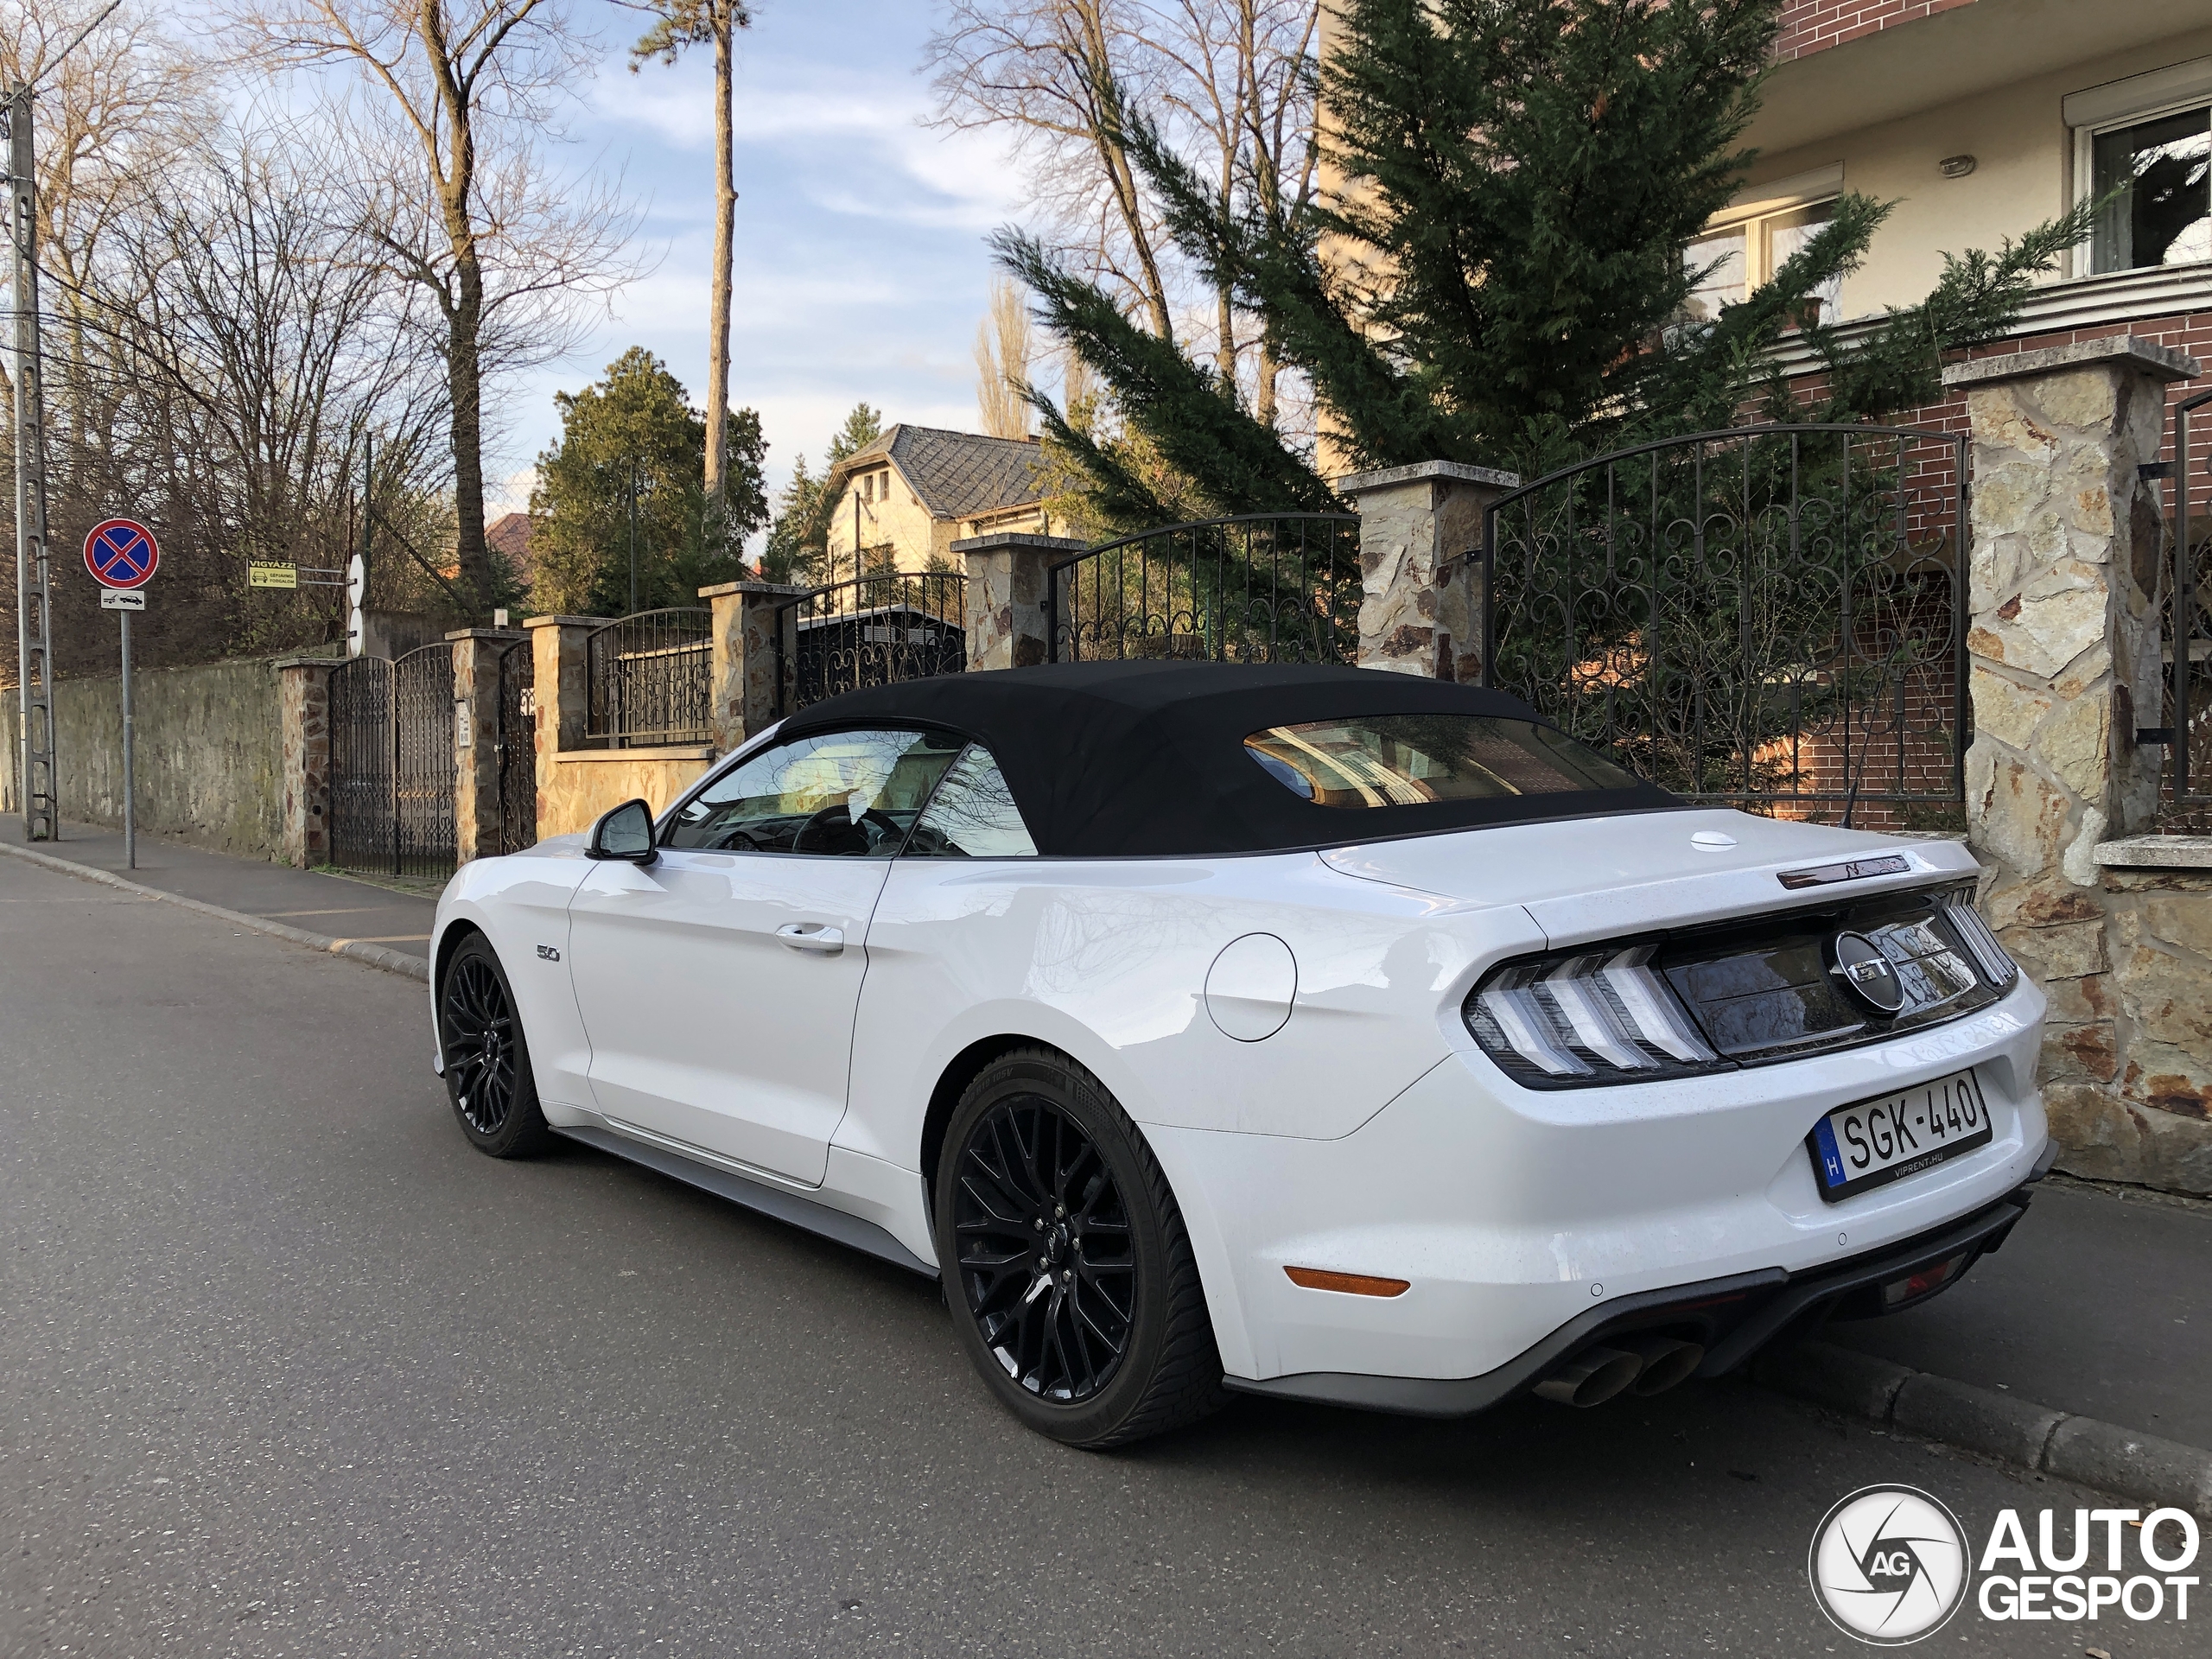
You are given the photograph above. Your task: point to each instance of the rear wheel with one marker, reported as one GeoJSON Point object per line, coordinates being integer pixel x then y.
{"type": "Point", "coordinates": [1068, 1272]}
{"type": "Point", "coordinates": [487, 1061]}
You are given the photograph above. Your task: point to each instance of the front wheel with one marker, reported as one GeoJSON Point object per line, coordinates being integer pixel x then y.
{"type": "Point", "coordinates": [487, 1061]}
{"type": "Point", "coordinates": [1069, 1275]}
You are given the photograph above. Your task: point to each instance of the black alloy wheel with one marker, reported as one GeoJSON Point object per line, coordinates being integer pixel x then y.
{"type": "Point", "coordinates": [1044, 1255]}
{"type": "Point", "coordinates": [1071, 1279]}
{"type": "Point", "coordinates": [487, 1062]}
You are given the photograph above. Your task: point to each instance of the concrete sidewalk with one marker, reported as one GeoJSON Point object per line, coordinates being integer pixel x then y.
{"type": "Point", "coordinates": [337, 906]}
{"type": "Point", "coordinates": [2099, 1305]}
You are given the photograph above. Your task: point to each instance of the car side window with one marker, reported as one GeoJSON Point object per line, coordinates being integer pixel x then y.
{"type": "Point", "coordinates": [972, 815]}
{"type": "Point", "coordinates": [854, 794]}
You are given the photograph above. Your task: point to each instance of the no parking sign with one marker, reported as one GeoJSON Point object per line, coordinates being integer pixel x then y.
{"type": "Point", "coordinates": [121, 553]}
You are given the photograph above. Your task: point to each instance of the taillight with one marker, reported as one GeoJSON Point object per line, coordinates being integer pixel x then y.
{"type": "Point", "coordinates": [1762, 990]}
{"type": "Point", "coordinates": [1996, 965]}
{"type": "Point", "coordinates": [1600, 1015]}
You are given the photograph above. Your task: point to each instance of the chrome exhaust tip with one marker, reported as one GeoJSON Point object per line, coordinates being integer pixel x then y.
{"type": "Point", "coordinates": [1592, 1377]}
{"type": "Point", "coordinates": [1666, 1361]}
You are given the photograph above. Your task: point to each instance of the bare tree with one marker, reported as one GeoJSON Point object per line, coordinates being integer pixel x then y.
{"type": "Point", "coordinates": [698, 23]}
{"type": "Point", "coordinates": [1244, 89]}
{"type": "Point", "coordinates": [1228, 82]}
{"type": "Point", "coordinates": [1003, 348]}
{"type": "Point", "coordinates": [1050, 70]}
{"type": "Point", "coordinates": [466, 84]}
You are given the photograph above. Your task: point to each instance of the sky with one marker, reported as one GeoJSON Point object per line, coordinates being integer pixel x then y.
{"type": "Point", "coordinates": [861, 264]}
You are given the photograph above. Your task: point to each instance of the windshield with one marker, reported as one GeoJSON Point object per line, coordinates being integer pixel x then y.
{"type": "Point", "coordinates": [1408, 759]}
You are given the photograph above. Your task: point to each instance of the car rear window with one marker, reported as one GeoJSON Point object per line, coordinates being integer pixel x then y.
{"type": "Point", "coordinates": [1409, 759]}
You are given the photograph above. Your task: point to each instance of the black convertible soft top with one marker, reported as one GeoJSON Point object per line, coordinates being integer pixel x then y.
{"type": "Point", "coordinates": [1146, 760]}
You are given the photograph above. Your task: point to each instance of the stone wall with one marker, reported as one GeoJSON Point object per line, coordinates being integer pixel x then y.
{"type": "Point", "coordinates": [2065, 660]}
{"type": "Point", "coordinates": [210, 754]}
{"type": "Point", "coordinates": [574, 789]}
{"type": "Point", "coordinates": [2127, 1065]}
{"type": "Point", "coordinates": [576, 784]}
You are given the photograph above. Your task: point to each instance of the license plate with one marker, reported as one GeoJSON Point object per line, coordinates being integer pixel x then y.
{"type": "Point", "coordinates": [1885, 1139]}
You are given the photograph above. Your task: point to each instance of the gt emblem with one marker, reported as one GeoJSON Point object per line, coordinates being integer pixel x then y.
{"type": "Point", "coordinates": [1861, 965]}
{"type": "Point", "coordinates": [549, 953]}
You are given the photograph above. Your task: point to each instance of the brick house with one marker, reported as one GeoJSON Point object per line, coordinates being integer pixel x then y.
{"type": "Point", "coordinates": [1980, 118]}
{"type": "Point", "coordinates": [902, 501]}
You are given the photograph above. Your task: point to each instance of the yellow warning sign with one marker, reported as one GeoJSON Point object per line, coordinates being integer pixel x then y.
{"type": "Point", "coordinates": [261, 574]}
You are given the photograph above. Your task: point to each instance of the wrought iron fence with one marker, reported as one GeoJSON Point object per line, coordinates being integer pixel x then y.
{"type": "Point", "coordinates": [876, 630]}
{"type": "Point", "coordinates": [2186, 802]}
{"type": "Point", "coordinates": [393, 763]}
{"type": "Point", "coordinates": [516, 746]}
{"type": "Point", "coordinates": [1769, 616]}
{"type": "Point", "coordinates": [1259, 588]}
{"type": "Point", "coordinates": [651, 679]}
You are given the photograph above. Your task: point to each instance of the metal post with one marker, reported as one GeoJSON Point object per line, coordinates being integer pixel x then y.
{"type": "Point", "coordinates": [633, 538]}
{"type": "Point", "coordinates": [2182, 608]}
{"type": "Point", "coordinates": [130, 757]}
{"type": "Point", "coordinates": [35, 774]}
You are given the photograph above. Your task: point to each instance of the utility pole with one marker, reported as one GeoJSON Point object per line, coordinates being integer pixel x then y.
{"type": "Point", "coordinates": [34, 772]}
{"type": "Point", "coordinates": [633, 537]}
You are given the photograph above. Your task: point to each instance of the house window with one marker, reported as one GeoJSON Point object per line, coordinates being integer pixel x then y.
{"type": "Point", "coordinates": [2162, 171]}
{"type": "Point", "coordinates": [2145, 141]}
{"type": "Point", "coordinates": [1716, 262]}
{"type": "Point", "coordinates": [1754, 238]}
{"type": "Point", "coordinates": [1788, 233]}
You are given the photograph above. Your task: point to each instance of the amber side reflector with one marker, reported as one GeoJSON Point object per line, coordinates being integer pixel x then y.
{"type": "Point", "coordinates": [1352, 1284]}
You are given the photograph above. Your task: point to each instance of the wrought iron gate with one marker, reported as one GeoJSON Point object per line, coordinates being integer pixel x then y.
{"type": "Point", "coordinates": [1771, 616]}
{"type": "Point", "coordinates": [516, 747]}
{"type": "Point", "coordinates": [361, 756]}
{"type": "Point", "coordinates": [392, 764]}
{"type": "Point", "coordinates": [1259, 588]}
{"type": "Point", "coordinates": [876, 630]}
{"type": "Point", "coordinates": [2188, 633]}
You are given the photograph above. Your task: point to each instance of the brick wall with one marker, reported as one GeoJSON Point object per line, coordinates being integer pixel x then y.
{"type": "Point", "coordinates": [2188, 332]}
{"type": "Point", "coordinates": [1809, 26]}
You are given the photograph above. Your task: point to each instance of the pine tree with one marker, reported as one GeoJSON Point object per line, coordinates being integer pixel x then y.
{"type": "Point", "coordinates": [1499, 277]}
{"type": "Point", "coordinates": [800, 533]}
{"type": "Point", "coordinates": [635, 430]}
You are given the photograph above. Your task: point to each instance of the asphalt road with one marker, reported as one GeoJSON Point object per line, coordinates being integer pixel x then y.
{"type": "Point", "coordinates": [286, 1368]}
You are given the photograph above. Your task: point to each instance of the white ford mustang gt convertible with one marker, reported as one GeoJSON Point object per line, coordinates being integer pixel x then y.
{"type": "Point", "coordinates": [1309, 1032]}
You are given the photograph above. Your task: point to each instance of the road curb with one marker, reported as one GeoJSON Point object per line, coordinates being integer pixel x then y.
{"type": "Point", "coordinates": [2159, 1472]}
{"type": "Point", "coordinates": [376, 956]}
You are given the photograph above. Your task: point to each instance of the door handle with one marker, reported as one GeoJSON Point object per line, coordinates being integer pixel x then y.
{"type": "Point", "coordinates": [813, 937]}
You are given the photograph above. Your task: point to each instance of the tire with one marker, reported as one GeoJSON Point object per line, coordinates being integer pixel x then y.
{"type": "Point", "coordinates": [488, 1078]}
{"type": "Point", "coordinates": [1048, 1203]}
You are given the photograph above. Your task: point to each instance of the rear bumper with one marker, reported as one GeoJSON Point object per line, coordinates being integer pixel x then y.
{"type": "Point", "coordinates": [1513, 1216]}
{"type": "Point", "coordinates": [1732, 1318]}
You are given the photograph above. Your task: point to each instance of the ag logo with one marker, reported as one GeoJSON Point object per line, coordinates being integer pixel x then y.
{"type": "Point", "coordinates": [1889, 1565]}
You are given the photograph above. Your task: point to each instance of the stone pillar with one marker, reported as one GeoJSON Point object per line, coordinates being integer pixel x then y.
{"type": "Point", "coordinates": [747, 618]}
{"type": "Point", "coordinates": [476, 738]}
{"type": "Point", "coordinates": [562, 691]}
{"type": "Point", "coordinates": [1007, 626]}
{"type": "Point", "coordinates": [2063, 585]}
{"type": "Point", "coordinates": [303, 707]}
{"type": "Point", "coordinates": [1420, 535]}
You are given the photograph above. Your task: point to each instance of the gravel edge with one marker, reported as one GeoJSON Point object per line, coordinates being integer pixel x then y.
{"type": "Point", "coordinates": [376, 956]}
{"type": "Point", "coordinates": [2123, 1461]}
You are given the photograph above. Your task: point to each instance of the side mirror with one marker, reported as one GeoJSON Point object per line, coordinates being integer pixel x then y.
{"type": "Point", "coordinates": [624, 832]}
